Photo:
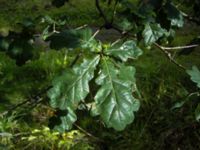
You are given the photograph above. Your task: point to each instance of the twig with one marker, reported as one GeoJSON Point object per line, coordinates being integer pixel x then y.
{"type": "Point", "coordinates": [146, 123]}
{"type": "Point", "coordinates": [163, 49]}
{"type": "Point", "coordinates": [81, 27]}
{"type": "Point", "coordinates": [190, 18]}
{"type": "Point", "coordinates": [88, 134]}
{"type": "Point", "coordinates": [114, 11]}
{"type": "Point", "coordinates": [36, 99]}
{"type": "Point", "coordinates": [169, 56]}
{"type": "Point", "coordinates": [14, 107]}
{"type": "Point", "coordinates": [115, 42]}
{"type": "Point", "coordinates": [93, 36]}
{"type": "Point", "coordinates": [100, 11]}
{"type": "Point", "coordinates": [179, 47]}
{"type": "Point", "coordinates": [54, 28]}
{"type": "Point", "coordinates": [75, 59]}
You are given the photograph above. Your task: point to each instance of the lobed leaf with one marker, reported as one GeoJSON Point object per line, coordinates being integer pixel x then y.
{"type": "Point", "coordinates": [125, 51]}
{"type": "Point", "coordinates": [114, 100]}
{"type": "Point", "coordinates": [73, 39]}
{"type": "Point", "coordinates": [73, 85]}
{"type": "Point", "coordinates": [152, 33]}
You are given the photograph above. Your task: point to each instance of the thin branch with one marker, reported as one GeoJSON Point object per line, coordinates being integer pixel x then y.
{"type": "Point", "coordinates": [88, 134]}
{"type": "Point", "coordinates": [169, 56]}
{"type": "Point", "coordinates": [34, 100]}
{"type": "Point", "coordinates": [54, 28]}
{"type": "Point", "coordinates": [163, 49]}
{"type": "Point", "coordinates": [179, 47]}
{"type": "Point", "coordinates": [81, 27]}
{"type": "Point", "coordinates": [100, 11]}
{"type": "Point", "coordinates": [75, 59]}
{"type": "Point", "coordinates": [190, 18]}
{"type": "Point", "coordinates": [114, 11]}
{"type": "Point", "coordinates": [94, 35]}
{"type": "Point", "coordinates": [117, 41]}
{"type": "Point", "coordinates": [14, 107]}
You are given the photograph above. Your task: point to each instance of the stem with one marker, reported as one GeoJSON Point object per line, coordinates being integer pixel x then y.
{"type": "Point", "coordinates": [169, 56]}
{"type": "Point", "coordinates": [179, 47]}
{"type": "Point", "coordinates": [33, 100]}
{"type": "Point", "coordinates": [114, 11]}
{"type": "Point", "coordinates": [88, 134]}
{"type": "Point", "coordinates": [100, 11]}
{"type": "Point", "coordinates": [93, 36]}
{"type": "Point", "coordinates": [81, 27]}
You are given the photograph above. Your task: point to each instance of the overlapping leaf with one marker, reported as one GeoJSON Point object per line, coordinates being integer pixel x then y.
{"type": "Point", "coordinates": [127, 50]}
{"type": "Point", "coordinates": [197, 112]}
{"type": "Point", "coordinates": [72, 86]}
{"type": "Point", "coordinates": [73, 39]}
{"type": "Point", "coordinates": [152, 33]}
{"type": "Point", "coordinates": [195, 75]}
{"type": "Point", "coordinates": [66, 121]}
{"type": "Point", "coordinates": [114, 100]}
{"type": "Point", "coordinates": [174, 15]}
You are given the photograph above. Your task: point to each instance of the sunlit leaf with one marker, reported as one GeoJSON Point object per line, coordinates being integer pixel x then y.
{"type": "Point", "coordinates": [73, 85]}
{"type": "Point", "coordinates": [125, 51]}
{"type": "Point", "coordinates": [114, 100]}
{"type": "Point", "coordinates": [152, 33]}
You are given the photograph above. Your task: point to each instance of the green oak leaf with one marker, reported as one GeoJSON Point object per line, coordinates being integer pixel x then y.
{"type": "Point", "coordinates": [125, 51]}
{"type": "Point", "coordinates": [152, 33]}
{"type": "Point", "coordinates": [114, 101]}
{"type": "Point", "coordinates": [174, 15]}
{"type": "Point", "coordinates": [74, 39]}
{"type": "Point", "coordinates": [73, 85]}
{"type": "Point", "coordinates": [194, 75]}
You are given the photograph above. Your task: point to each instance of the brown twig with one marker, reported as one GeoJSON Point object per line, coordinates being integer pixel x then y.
{"type": "Point", "coordinates": [88, 134]}
{"type": "Point", "coordinates": [179, 47]}
{"type": "Point", "coordinates": [100, 11]}
{"type": "Point", "coordinates": [190, 18]}
{"type": "Point", "coordinates": [169, 56]}
{"type": "Point", "coordinates": [81, 27]}
{"type": "Point", "coordinates": [94, 35]}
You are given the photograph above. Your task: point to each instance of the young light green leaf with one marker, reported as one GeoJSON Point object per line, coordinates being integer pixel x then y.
{"type": "Point", "coordinates": [194, 75]}
{"type": "Point", "coordinates": [114, 100]}
{"type": "Point", "coordinates": [125, 51]}
{"type": "Point", "coordinates": [73, 85]}
{"type": "Point", "coordinates": [152, 33]}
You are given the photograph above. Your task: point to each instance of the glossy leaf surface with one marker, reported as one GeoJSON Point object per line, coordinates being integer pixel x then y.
{"type": "Point", "coordinates": [152, 33]}
{"type": "Point", "coordinates": [73, 85]}
{"type": "Point", "coordinates": [125, 51]}
{"type": "Point", "coordinates": [114, 100]}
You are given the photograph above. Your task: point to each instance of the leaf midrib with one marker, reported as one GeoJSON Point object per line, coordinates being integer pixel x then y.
{"type": "Point", "coordinates": [79, 78]}
{"type": "Point", "coordinates": [111, 81]}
